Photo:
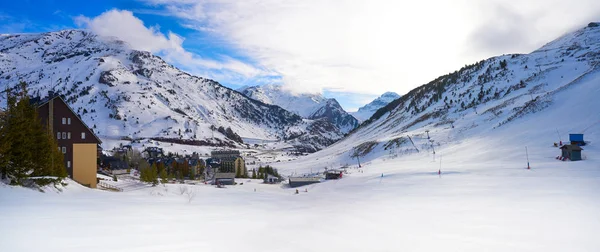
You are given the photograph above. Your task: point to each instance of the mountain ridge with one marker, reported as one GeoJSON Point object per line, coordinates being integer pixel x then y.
{"type": "Point", "coordinates": [120, 92]}
{"type": "Point", "coordinates": [480, 98]}
{"type": "Point", "coordinates": [306, 105]}
{"type": "Point", "coordinates": [365, 112]}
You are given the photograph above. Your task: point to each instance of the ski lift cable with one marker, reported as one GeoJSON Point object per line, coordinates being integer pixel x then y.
{"type": "Point", "coordinates": [593, 124]}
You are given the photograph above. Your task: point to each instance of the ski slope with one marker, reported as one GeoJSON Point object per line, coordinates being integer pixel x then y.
{"type": "Point", "coordinates": [473, 206]}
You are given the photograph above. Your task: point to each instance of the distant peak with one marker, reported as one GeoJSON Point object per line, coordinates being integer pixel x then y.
{"type": "Point", "coordinates": [390, 94]}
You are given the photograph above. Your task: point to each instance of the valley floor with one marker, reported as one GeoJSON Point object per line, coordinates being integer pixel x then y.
{"type": "Point", "coordinates": [472, 206]}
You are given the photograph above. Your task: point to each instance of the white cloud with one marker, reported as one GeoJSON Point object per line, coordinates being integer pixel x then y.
{"type": "Point", "coordinates": [125, 26]}
{"type": "Point", "coordinates": [372, 46]}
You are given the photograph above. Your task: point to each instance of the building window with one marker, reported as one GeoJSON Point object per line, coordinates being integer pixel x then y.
{"type": "Point", "coordinates": [57, 135]}
{"type": "Point", "coordinates": [59, 148]}
{"type": "Point", "coordinates": [64, 135]}
{"type": "Point", "coordinates": [82, 135]}
{"type": "Point", "coordinates": [68, 135]}
{"type": "Point", "coordinates": [68, 164]}
{"type": "Point", "coordinates": [64, 150]}
{"type": "Point", "coordinates": [69, 121]}
{"type": "Point", "coordinates": [64, 120]}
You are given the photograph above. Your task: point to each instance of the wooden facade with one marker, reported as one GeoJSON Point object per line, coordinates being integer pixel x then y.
{"type": "Point", "coordinates": [77, 142]}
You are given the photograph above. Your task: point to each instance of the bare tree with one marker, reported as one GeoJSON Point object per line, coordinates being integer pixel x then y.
{"type": "Point", "coordinates": [182, 189]}
{"type": "Point", "coordinates": [191, 194]}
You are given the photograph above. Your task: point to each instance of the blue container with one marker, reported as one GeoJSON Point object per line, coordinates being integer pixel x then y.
{"type": "Point", "coordinates": [576, 137]}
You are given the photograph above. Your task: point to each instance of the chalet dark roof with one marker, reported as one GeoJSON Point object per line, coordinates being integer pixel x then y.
{"type": "Point", "coordinates": [113, 163]}
{"type": "Point", "coordinates": [43, 102]}
{"type": "Point", "coordinates": [571, 147]}
{"type": "Point", "coordinates": [152, 161]}
{"type": "Point", "coordinates": [153, 149]}
{"type": "Point", "coordinates": [118, 165]}
{"type": "Point", "coordinates": [169, 161]}
{"type": "Point", "coordinates": [229, 159]}
{"type": "Point", "coordinates": [193, 162]}
{"type": "Point", "coordinates": [225, 152]}
{"type": "Point", "coordinates": [213, 161]}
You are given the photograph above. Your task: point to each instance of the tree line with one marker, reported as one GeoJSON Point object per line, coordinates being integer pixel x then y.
{"type": "Point", "coordinates": [264, 171]}
{"type": "Point", "coordinates": [27, 147]}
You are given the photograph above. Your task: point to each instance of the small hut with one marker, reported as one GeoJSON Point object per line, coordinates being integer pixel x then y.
{"type": "Point", "coordinates": [270, 179]}
{"type": "Point", "coordinates": [224, 178]}
{"type": "Point", "coordinates": [333, 174]}
{"type": "Point", "coordinates": [571, 151]}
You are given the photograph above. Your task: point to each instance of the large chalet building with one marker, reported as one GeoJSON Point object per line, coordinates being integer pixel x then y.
{"type": "Point", "coordinates": [75, 140]}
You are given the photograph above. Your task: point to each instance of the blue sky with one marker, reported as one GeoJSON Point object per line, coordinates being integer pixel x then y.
{"type": "Point", "coordinates": [351, 50]}
{"type": "Point", "coordinates": [44, 16]}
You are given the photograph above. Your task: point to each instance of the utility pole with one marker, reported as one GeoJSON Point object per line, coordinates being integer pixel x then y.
{"type": "Point", "coordinates": [413, 143]}
{"type": "Point", "coordinates": [440, 170]}
{"type": "Point", "coordinates": [527, 153]}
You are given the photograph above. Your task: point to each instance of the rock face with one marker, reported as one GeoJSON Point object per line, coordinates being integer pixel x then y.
{"type": "Point", "coordinates": [308, 106]}
{"type": "Point", "coordinates": [121, 92]}
{"type": "Point", "coordinates": [365, 112]}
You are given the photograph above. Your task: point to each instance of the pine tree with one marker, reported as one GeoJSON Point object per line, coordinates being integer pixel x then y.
{"type": "Point", "coordinates": [238, 173]}
{"type": "Point", "coordinates": [253, 173]}
{"type": "Point", "coordinates": [19, 133]}
{"type": "Point", "coordinates": [56, 158]}
{"type": "Point", "coordinates": [163, 176]}
{"type": "Point", "coordinates": [192, 173]}
{"type": "Point", "coordinates": [26, 148]}
{"type": "Point", "coordinates": [4, 140]}
{"type": "Point", "coordinates": [153, 175]}
{"type": "Point", "coordinates": [143, 174]}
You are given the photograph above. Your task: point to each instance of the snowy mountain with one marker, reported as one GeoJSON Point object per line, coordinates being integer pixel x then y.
{"type": "Point", "coordinates": [545, 95]}
{"type": "Point", "coordinates": [309, 106]}
{"type": "Point", "coordinates": [365, 112]}
{"type": "Point", "coordinates": [124, 93]}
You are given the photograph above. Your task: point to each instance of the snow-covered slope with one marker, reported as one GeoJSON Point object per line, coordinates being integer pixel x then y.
{"type": "Point", "coordinates": [310, 106]}
{"type": "Point", "coordinates": [365, 112]}
{"type": "Point", "coordinates": [533, 99]}
{"type": "Point", "coordinates": [121, 92]}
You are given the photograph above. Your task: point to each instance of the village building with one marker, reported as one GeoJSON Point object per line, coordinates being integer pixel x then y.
{"type": "Point", "coordinates": [270, 179]}
{"type": "Point", "coordinates": [221, 154]}
{"type": "Point", "coordinates": [572, 152]}
{"type": "Point", "coordinates": [125, 150]}
{"type": "Point", "coordinates": [75, 139]}
{"type": "Point", "coordinates": [212, 167]}
{"type": "Point", "coordinates": [153, 152]}
{"type": "Point", "coordinates": [231, 162]}
{"type": "Point", "coordinates": [197, 165]}
{"type": "Point", "coordinates": [333, 174]}
{"type": "Point", "coordinates": [235, 165]}
{"type": "Point", "coordinates": [113, 165]}
{"type": "Point", "coordinates": [223, 178]}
